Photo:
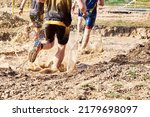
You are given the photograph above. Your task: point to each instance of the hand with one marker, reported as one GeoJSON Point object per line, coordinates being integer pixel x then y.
{"type": "Point", "coordinates": [84, 14]}
{"type": "Point", "coordinates": [20, 11]}
{"type": "Point", "coordinates": [73, 9]}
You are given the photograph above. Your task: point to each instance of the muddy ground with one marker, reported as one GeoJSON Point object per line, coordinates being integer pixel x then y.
{"type": "Point", "coordinates": [120, 71]}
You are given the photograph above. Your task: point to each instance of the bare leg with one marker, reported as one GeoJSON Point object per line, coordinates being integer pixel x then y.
{"type": "Point", "coordinates": [59, 56]}
{"type": "Point", "coordinates": [79, 25]}
{"type": "Point", "coordinates": [86, 37]}
{"type": "Point", "coordinates": [34, 52]}
{"type": "Point", "coordinates": [37, 30]}
{"type": "Point", "coordinates": [48, 45]}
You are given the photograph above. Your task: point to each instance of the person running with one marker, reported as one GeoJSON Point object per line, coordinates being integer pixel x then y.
{"type": "Point", "coordinates": [36, 15]}
{"type": "Point", "coordinates": [80, 16]}
{"type": "Point", "coordinates": [58, 19]}
{"type": "Point", "coordinates": [91, 6]}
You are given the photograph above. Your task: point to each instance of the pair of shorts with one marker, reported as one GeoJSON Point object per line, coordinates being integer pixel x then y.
{"type": "Point", "coordinates": [90, 21]}
{"type": "Point", "coordinates": [61, 32]}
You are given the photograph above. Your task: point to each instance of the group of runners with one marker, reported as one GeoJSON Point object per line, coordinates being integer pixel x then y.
{"type": "Point", "coordinates": [57, 21]}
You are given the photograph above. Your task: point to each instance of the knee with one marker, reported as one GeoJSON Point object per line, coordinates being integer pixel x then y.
{"type": "Point", "coordinates": [61, 47]}
{"type": "Point", "coordinates": [87, 33]}
{"type": "Point", "coordinates": [48, 45]}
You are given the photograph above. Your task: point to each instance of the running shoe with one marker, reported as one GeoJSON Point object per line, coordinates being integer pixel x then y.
{"type": "Point", "coordinates": [34, 52]}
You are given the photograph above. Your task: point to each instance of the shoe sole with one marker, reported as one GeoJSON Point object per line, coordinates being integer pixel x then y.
{"type": "Point", "coordinates": [33, 54]}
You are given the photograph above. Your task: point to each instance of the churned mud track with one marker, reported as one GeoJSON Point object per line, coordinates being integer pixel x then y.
{"type": "Point", "coordinates": [121, 71]}
{"type": "Point", "coordinates": [124, 77]}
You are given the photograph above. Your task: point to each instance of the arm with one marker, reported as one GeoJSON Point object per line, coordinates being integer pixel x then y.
{"type": "Point", "coordinates": [73, 6]}
{"type": "Point", "coordinates": [82, 7]}
{"type": "Point", "coordinates": [22, 6]}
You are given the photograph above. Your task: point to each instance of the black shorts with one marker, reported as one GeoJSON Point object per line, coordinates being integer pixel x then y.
{"type": "Point", "coordinates": [61, 32]}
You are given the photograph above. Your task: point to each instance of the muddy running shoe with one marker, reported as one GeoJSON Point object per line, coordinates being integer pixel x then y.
{"type": "Point", "coordinates": [34, 52]}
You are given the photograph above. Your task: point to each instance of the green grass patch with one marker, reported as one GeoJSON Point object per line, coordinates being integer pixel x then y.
{"type": "Point", "coordinates": [142, 0]}
{"type": "Point", "coordinates": [132, 74]}
{"type": "Point", "coordinates": [146, 76]}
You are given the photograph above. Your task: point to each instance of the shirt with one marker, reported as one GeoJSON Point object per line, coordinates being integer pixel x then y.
{"type": "Point", "coordinates": [59, 10]}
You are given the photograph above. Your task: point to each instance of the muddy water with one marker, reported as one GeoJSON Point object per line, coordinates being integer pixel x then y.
{"type": "Point", "coordinates": [108, 80]}
{"type": "Point", "coordinates": [120, 71]}
{"type": "Point", "coordinates": [111, 47]}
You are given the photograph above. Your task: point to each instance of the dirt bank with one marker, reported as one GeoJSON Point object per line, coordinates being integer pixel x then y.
{"type": "Point", "coordinates": [121, 31]}
{"type": "Point", "coordinates": [10, 25]}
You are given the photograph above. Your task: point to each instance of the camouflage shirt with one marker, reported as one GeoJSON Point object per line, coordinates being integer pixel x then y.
{"type": "Point", "coordinates": [37, 8]}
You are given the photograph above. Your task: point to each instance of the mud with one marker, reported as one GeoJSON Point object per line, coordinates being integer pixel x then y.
{"type": "Point", "coordinates": [134, 32]}
{"type": "Point", "coordinates": [121, 31]}
{"type": "Point", "coordinates": [14, 25]}
{"type": "Point", "coordinates": [8, 3]}
{"type": "Point", "coordinates": [7, 20]}
{"type": "Point", "coordinates": [10, 25]}
{"type": "Point", "coordinates": [120, 71]}
{"type": "Point", "coordinates": [125, 76]}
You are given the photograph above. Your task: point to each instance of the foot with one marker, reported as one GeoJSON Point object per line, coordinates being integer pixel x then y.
{"type": "Point", "coordinates": [60, 69]}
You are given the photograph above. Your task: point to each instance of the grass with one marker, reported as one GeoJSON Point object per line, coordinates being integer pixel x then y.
{"type": "Point", "coordinates": [142, 0]}
{"type": "Point", "coordinates": [138, 3]}
{"type": "Point", "coordinates": [132, 74]}
{"type": "Point", "coordinates": [146, 76]}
